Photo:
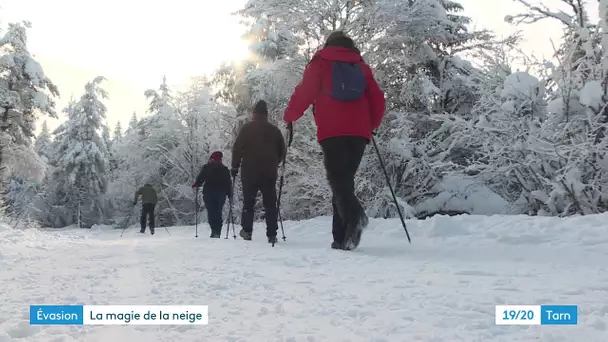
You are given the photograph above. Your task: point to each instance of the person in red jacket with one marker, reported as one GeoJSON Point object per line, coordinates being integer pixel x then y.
{"type": "Point", "coordinates": [348, 105]}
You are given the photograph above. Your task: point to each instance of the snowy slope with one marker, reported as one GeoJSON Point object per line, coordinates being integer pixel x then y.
{"type": "Point", "coordinates": [443, 287]}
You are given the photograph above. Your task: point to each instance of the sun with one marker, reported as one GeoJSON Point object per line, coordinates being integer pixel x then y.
{"type": "Point", "coordinates": [239, 50]}
{"type": "Point", "coordinates": [206, 55]}
{"type": "Point", "coordinates": [195, 43]}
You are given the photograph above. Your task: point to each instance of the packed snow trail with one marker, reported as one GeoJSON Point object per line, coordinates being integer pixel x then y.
{"type": "Point", "coordinates": [442, 287]}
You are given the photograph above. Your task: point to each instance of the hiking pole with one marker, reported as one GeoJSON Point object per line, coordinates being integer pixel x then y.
{"type": "Point", "coordinates": [281, 182]}
{"type": "Point", "coordinates": [230, 218]}
{"type": "Point", "coordinates": [233, 229]}
{"type": "Point", "coordinates": [196, 212]}
{"type": "Point", "coordinates": [282, 179]}
{"type": "Point", "coordinates": [388, 182]}
{"type": "Point", "coordinates": [164, 226]}
{"type": "Point", "coordinates": [128, 219]}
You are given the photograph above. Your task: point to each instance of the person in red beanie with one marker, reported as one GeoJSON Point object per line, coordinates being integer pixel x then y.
{"type": "Point", "coordinates": [217, 185]}
{"type": "Point", "coordinates": [348, 105]}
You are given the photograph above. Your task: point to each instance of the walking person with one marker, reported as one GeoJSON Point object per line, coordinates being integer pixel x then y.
{"type": "Point", "coordinates": [258, 150]}
{"type": "Point", "coordinates": [348, 105]}
{"type": "Point", "coordinates": [149, 198]}
{"type": "Point", "coordinates": [217, 186]}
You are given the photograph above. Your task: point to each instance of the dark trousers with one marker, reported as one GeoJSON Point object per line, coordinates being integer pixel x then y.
{"type": "Point", "coordinates": [147, 210]}
{"type": "Point", "coordinates": [342, 156]}
{"type": "Point", "coordinates": [267, 186]}
{"type": "Point", "coordinates": [214, 202]}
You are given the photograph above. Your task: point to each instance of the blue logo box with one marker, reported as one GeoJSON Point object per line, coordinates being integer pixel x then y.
{"type": "Point", "coordinates": [558, 315]}
{"type": "Point", "coordinates": [56, 314]}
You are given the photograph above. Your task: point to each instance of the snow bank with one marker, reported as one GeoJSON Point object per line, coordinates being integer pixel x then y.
{"type": "Point", "coordinates": [460, 193]}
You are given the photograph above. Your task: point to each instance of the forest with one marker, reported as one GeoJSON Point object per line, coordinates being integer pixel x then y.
{"type": "Point", "coordinates": [465, 131]}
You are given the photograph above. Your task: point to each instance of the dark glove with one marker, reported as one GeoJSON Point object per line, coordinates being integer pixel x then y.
{"type": "Point", "coordinates": [234, 172]}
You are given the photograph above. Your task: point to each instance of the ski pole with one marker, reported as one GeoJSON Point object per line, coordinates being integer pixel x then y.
{"type": "Point", "coordinates": [388, 182]}
{"type": "Point", "coordinates": [196, 212]}
{"type": "Point", "coordinates": [128, 219]}
{"type": "Point", "coordinates": [281, 182]}
{"type": "Point", "coordinates": [233, 229]}
{"type": "Point", "coordinates": [230, 218]}
{"type": "Point", "coordinates": [282, 179]}
{"type": "Point", "coordinates": [163, 224]}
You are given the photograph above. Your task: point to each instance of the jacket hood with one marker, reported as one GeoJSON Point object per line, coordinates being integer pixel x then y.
{"type": "Point", "coordinates": [338, 53]}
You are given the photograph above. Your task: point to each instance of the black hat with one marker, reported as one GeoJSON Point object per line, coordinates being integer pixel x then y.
{"type": "Point", "coordinates": [261, 108]}
{"type": "Point", "coordinates": [335, 35]}
{"type": "Point", "coordinates": [339, 38]}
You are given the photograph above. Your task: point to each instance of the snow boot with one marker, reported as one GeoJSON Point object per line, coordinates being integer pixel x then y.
{"type": "Point", "coordinates": [143, 231]}
{"type": "Point", "coordinates": [353, 241]}
{"type": "Point", "coordinates": [336, 245]}
{"type": "Point", "coordinates": [272, 240]}
{"type": "Point", "coordinates": [215, 235]}
{"type": "Point", "coordinates": [245, 235]}
{"type": "Point", "coordinates": [151, 231]}
{"type": "Point", "coordinates": [354, 232]}
{"type": "Point", "coordinates": [364, 221]}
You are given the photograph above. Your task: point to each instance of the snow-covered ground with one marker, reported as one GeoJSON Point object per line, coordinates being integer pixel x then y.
{"type": "Point", "coordinates": [442, 287]}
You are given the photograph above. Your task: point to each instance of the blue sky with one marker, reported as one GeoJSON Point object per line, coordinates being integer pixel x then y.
{"type": "Point", "coordinates": [134, 43]}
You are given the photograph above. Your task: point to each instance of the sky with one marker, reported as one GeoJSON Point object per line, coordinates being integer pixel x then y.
{"type": "Point", "coordinates": [131, 43]}
{"type": "Point", "coordinates": [134, 43]}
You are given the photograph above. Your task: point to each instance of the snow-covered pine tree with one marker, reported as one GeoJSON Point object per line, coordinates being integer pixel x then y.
{"type": "Point", "coordinates": [43, 145]}
{"type": "Point", "coordinates": [111, 152]}
{"type": "Point", "coordinates": [112, 147]}
{"type": "Point", "coordinates": [117, 132]}
{"type": "Point", "coordinates": [25, 93]}
{"type": "Point", "coordinates": [105, 134]}
{"type": "Point", "coordinates": [77, 186]}
{"type": "Point", "coordinates": [133, 124]}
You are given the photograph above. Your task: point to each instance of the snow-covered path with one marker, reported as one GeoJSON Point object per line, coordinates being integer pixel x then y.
{"type": "Point", "coordinates": [442, 287]}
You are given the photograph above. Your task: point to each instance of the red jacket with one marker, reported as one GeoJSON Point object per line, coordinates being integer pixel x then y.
{"type": "Point", "coordinates": [335, 118]}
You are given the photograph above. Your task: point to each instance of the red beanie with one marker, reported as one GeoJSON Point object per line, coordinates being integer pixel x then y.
{"type": "Point", "coordinates": [217, 156]}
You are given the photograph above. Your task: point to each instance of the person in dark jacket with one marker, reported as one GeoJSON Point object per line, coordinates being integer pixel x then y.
{"type": "Point", "coordinates": [258, 150]}
{"type": "Point", "coordinates": [217, 185]}
{"type": "Point", "coordinates": [149, 199]}
{"type": "Point", "coordinates": [348, 105]}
